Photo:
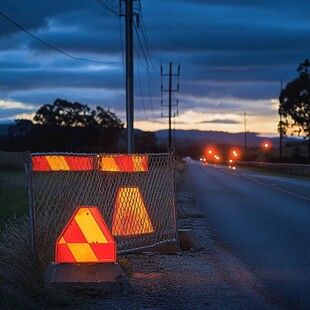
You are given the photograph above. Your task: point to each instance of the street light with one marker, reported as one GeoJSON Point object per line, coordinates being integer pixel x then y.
{"type": "Point", "coordinates": [266, 145]}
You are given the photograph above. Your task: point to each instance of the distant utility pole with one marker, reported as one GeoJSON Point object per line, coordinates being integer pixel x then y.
{"type": "Point", "coordinates": [281, 130]}
{"type": "Point", "coordinates": [129, 72]}
{"type": "Point", "coordinates": [170, 90]}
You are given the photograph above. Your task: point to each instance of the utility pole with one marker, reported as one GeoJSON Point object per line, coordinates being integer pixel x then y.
{"type": "Point", "coordinates": [281, 129]}
{"type": "Point", "coordinates": [129, 71]}
{"type": "Point", "coordinates": [281, 135]}
{"type": "Point", "coordinates": [169, 90]}
{"type": "Point", "coordinates": [129, 77]}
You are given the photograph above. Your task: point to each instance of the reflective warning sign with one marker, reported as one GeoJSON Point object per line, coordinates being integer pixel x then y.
{"type": "Point", "coordinates": [86, 238]}
{"type": "Point", "coordinates": [130, 216]}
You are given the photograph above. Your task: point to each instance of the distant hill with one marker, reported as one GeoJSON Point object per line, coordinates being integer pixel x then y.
{"type": "Point", "coordinates": [186, 137]}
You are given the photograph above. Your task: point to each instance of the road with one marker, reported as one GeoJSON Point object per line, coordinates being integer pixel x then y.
{"type": "Point", "coordinates": [265, 222]}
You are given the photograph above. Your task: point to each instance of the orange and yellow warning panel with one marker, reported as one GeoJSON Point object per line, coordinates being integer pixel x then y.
{"type": "Point", "coordinates": [62, 163]}
{"type": "Point", "coordinates": [124, 163]}
{"type": "Point", "coordinates": [85, 239]}
{"type": "Point", "coordinates": [130, 216]}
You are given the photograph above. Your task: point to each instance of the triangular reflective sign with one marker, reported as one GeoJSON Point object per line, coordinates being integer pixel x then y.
{"type": "Point", "coordinates": [130, 216]}
{"type": "Point", "coordinates": [86, 238]}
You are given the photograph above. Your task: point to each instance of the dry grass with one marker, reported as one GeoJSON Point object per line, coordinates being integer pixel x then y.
{"type": "Point", "coordinates": [12, 160]}
{"type": "Point", "coordinates": [19, 276]}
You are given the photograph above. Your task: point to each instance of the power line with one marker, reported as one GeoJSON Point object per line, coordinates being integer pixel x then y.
{"type": "Point", "coordinates": [147, 68]}
{"type": "Point", "coordinates": [140, 43]}
{"type": "Point", "coordinates": [143, 31]}
{"type": "Point", "coordinates": [51, 46]}
{"type": "Point", "coordinates": [108, 6]}
{"type": "Point", "coordinates": [143, 44]}
{"type": "Point", "coordinates": [141, 94]}
{"type": "Point", "coordinates": [122, 45]}
{"type": "Point", "coordinates": [149, 88]}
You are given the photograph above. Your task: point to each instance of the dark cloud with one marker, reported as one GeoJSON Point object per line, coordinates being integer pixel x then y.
{"type": "Point", "coordinates": [233, 53]}
{"type": "Point", "coordinates": [220, 121]}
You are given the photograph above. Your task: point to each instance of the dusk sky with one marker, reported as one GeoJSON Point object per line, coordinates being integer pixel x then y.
{"type": "Point", "coordinates": [233, 55]}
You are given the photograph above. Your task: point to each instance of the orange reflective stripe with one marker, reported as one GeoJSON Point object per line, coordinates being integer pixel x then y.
{"type": "Point", "coordinates": [85, 220]}
{"type": "Point", "coordinates": [140, 163]}
{"type": "Point", "coordinates": [57, 163]}
{"type": "Point", "coordinates": [80, 163]}
{"type": "Point", "coordinates": [82, 252]}
{"type": "Point", "coordinates": [40, 163]}
{"type": "Point", "coordinates": [124, 163]}
{"type": "Point", "coordinates": [108, 164]}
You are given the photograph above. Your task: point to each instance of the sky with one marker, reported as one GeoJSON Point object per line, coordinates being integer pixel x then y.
{"type": "Point", "coordinates": [234, 55]}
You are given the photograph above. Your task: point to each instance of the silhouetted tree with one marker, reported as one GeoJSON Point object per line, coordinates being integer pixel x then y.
{"type": "Point", "coordinates": [64, 113]}
{"type": "Point", "coordinates": [67, 126]}
{"type": "Point", "coordinates": [21, 127]}
{"type": "Point", "coordinates": [295, 104]}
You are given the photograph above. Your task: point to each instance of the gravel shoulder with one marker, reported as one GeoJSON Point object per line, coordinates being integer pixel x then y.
{"type": "Point", "coordinates": [208, 279]}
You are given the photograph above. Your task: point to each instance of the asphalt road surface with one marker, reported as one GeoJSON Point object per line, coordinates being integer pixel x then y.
{"type": "Point", "coordinates": [264, 220]}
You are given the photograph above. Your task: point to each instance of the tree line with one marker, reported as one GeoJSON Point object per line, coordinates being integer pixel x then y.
{"type": "Point", "coordinates": [66, 126]}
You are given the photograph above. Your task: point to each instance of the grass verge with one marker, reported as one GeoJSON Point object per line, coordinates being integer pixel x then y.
{"type": "Point", "coordinates": [13, 195]}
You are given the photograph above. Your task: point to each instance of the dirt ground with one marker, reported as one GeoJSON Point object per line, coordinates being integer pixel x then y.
{"type": "Point", "coordinates": [208, 279]}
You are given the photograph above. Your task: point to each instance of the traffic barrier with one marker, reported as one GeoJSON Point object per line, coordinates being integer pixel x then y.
{"type": "Point", "coordinates": [134, 193]}
{"type": "Point", "coordinates": [62, 163]}
{"type": "Point", "coordinates": [112, 163]}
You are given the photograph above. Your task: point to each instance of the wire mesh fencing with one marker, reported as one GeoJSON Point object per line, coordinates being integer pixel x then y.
{"type": "Point", "coordinates": [134, 193]}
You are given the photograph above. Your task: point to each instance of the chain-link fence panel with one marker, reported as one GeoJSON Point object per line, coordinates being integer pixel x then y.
{"type": "Point", "coordinates": [134, 193]}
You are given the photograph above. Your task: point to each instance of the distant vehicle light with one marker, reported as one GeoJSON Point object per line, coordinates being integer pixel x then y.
{"type": "Point", "coordinates": [266, 145]}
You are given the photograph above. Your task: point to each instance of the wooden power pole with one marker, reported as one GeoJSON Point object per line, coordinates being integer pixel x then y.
{"type": "Point", "coordinates": [170, 90]}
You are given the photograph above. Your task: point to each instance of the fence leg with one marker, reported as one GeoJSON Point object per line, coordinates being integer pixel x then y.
{"type": "Point", "coordinates": [29, 176]}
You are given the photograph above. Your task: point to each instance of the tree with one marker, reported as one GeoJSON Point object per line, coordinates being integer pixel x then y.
{"type": "Point", "coordinates": [64, 113]}
{"type": "Point", "coordinates": [67, 126]}
{"type": "Point", "coordinates": [294, 106]}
